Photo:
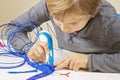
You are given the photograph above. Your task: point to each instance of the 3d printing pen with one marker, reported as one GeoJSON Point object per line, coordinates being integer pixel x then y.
{"type": "Point", "coordinates": [45, 36]}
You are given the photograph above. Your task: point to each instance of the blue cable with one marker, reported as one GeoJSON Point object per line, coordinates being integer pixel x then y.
{"type": "Point", "coordinates": [10, 67]}
{"type": "Point", "coordinates": [45, 68]}
{"type": "Point", "coordinates": [18, 72]}
{"type": "Point", "coordinates": [6, 55]}
{"type": "Point", "coordinates": [21, 27]}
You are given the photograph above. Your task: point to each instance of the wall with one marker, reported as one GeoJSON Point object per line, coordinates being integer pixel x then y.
{"type": "Point", "coordinates": [9, 9]}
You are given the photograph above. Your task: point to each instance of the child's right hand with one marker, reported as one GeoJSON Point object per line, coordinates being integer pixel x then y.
{"type": "Point", "coordinates": [38, 52]}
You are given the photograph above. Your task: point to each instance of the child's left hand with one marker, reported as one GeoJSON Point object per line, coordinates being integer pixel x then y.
{"type": "Point", "coordinates": [74, 61]}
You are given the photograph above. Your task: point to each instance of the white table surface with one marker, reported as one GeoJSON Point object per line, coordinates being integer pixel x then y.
{"type": "Point", "coordinates": [74, 75]}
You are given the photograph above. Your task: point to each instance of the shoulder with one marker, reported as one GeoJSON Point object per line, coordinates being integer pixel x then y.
{"type": "Point", "coordinates": [106, 9]}
{"type": "Point", "coordinates": [108, 16]}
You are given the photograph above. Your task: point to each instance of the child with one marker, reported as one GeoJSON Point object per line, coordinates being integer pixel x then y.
{"type": "Point", "coordinates": [90, 29]}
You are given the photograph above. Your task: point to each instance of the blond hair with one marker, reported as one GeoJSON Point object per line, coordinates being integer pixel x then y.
{"type": "Point", "coordinates": [58, 8]}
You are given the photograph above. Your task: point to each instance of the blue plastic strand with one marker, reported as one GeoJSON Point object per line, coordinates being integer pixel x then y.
{"type": "Point", "coordinates": [45, 68]}
{"type": "Point", "coordinates": [18, 72]}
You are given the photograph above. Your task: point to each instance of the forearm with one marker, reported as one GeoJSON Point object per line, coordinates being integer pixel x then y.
{"type": "Point", "coordinates": [104, 62]}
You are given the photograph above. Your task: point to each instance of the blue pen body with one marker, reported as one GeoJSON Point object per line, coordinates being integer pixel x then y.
{"type": "Point", "coordinates": [46, 37]}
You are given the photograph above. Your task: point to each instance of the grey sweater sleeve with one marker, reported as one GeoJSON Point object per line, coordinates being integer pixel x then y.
{"type": "Point", "coordinates": [104, 62]}
{"type": "Point", "coordinates": [37, 15]}
{"type": "Point", "coordinates": [108, 62]}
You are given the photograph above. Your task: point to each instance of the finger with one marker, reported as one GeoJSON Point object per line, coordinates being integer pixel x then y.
{"type": "Point", "coordinates": [45, 47]}
{"type": "Point", "coordinates": [63, 60]}
{"type": "Point", "coordinates": [76, 67]}
{"type": "Point", "coordinates": [71, 65]}
{"type": "Point", "coordinates": [40, 50]}
{"type": "Point", "coordinates": [40, 60]}
{"type": "Point", "coordinates": [63, 64]}
{"type": "Point", "coordinates": [33, 57]}
{"type": "Point", "coordinates": [40, 53]}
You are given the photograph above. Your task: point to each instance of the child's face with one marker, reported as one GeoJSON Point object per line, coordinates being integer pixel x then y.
{"type": "Point", "coordinates": [72, 23]}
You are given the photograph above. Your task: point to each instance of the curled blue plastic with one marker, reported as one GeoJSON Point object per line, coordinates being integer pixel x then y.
{"type": "Point", "coordinates": [46, 69]}
{"type": "Point", "coordinates": [50, 70]}
{"type": "Point", "coordinates": [17, 72]}
{"type": "Point", "coordinates": [50, 46]}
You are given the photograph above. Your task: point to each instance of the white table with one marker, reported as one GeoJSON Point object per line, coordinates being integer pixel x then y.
{"type": "Point", "coordinates": [78, 75]}
{"type": "Point", "coordinates": [73, 75]}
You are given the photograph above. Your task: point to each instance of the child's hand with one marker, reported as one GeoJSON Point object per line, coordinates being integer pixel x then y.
{"type": "Point", "coordinates": [38, 52]}
{"type": "Point", "coordinates": [74, 61]}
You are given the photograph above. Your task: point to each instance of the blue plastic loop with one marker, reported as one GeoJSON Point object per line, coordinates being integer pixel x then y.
{"type": "Point", "coordinates": [50, 46]}
{"type": "Point", "coordinates": [46, 69]}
